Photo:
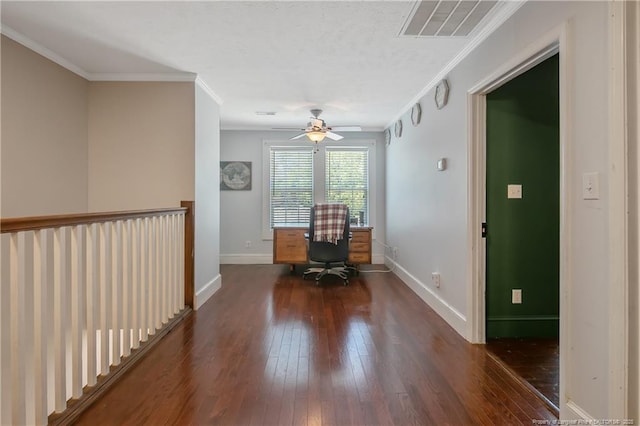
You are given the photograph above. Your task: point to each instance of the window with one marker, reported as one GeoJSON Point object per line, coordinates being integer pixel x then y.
{"type": "Point", "coordinates": [347, 180]}
{"type": "Point", "coordinates": [296, 177]}
{"type": "Point", "coordinates": [291, 185]}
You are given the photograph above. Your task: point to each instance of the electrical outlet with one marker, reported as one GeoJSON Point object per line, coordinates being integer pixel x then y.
{"type": "Point", "coordinates": [516, 296]}
{"type": "Point", "coordinates": [435, 278]}
{"type": "Point", "coordinates": [247, 244]}
{"type": "Point", "coordinates": [394, 252]}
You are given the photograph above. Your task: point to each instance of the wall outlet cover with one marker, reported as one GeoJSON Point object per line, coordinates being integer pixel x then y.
{"type": "Point", "coordinates": [435, 277]}
{"type": "Point", "coordinates": [516, 296]}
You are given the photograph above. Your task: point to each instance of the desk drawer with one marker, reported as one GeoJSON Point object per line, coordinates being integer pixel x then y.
{"type": "Point", "coordinates": [358, 258]}
{"type": "Point", "coordinates": [360, 236]}
{"type": "Point", "coordinates": [359, 247]}
{"type": "Point", "coordinates": [289, 246]}
{"type": "Point", "coordinates": [290, 254]}
{"type": "Point", "coordinates": [290, 234]}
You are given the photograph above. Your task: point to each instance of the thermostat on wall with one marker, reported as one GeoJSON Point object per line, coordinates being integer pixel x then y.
{"type": "Point", "coordinates": [442, 164]}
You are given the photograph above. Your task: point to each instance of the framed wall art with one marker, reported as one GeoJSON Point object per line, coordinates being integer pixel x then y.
{"type": "Point", "coordinates": [235, 175]}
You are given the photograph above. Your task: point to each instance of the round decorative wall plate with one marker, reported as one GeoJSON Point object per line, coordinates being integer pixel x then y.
{"type": "Point", "coordinates": [387, 137]}
{"type": "Point", "coordinates": [397, 129]}
{"type": "Point", "coordinates": [416, 114]}
{"type": "Point", "coordinates": [235, 175]}
{"type": "Point", "coordinates": [442, 93]}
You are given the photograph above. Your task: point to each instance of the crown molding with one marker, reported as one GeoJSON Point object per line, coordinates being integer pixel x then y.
{"type": "Point", "coordinates": [132, 76]}
{"type": "Point", "coordinates": [54, 57]}
{"type": "Point", "coordinates": [200, 82]}
{"type": "Point", "coordinates": [499, 18]}
{"type": "Point", "coordinates": [41, 50]}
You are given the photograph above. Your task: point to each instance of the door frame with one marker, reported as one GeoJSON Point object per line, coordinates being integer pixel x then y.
{"type": "Point", "coordinates": [555, 41]}
{"type": "Point", "coordinates": [552, 43]}
{"type": "Point", "coordinates": [560, 40]}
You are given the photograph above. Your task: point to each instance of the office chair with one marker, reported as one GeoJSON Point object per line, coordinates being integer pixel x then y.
{"type": "Point", "coordinates": [329, 253]}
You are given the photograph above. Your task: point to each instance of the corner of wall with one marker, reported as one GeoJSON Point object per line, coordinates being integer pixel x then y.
{"type": "Point", "coordinates": [208, 290]}
{"type": "Point", "coordinates": [454, 318]}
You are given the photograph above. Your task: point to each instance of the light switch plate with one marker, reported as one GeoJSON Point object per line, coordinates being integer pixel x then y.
{"type": "Point", "coordinates": [591, 186]}
{"type": "Point", "coordinates": [514, 191]}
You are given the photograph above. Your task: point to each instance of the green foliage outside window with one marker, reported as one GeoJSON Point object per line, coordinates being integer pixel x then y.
{"type": "Point", "coordinates": [347, 181]}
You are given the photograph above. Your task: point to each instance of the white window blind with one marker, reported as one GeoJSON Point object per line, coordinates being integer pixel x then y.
{"type": "Point", "coordinates": [291, 185]}
{"type": "Point", "coordinates": [347, 180]}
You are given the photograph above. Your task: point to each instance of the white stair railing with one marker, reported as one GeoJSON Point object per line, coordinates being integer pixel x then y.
{"type": "Point", "coordinates": [78, 293]}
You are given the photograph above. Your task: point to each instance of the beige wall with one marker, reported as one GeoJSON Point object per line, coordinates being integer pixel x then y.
{"type": "Point", "coordinates": [141, 145]}
{"type": "Point", "coordinates": [43, 137]}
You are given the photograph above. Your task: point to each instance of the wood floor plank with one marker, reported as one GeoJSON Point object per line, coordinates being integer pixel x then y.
{"type": "Point", "coordinates": [270, 348]}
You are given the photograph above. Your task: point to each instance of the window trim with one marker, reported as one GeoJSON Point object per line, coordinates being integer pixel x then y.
{"type": "Point", "coordinates": [319, 178]}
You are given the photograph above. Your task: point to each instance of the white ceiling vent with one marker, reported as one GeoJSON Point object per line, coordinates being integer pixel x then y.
{"type": "Point", "coordinates": [445, 18]}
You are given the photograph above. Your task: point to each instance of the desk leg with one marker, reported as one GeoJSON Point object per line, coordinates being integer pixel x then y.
{"type": "Point", "coordinates": [292, 268]}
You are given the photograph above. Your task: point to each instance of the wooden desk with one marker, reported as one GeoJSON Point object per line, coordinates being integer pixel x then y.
{"type": "Point", "coordinates": [290, 246]}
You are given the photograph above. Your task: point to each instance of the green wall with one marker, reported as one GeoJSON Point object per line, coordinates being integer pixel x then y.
{"type": "Point", "coordinates": [523, 234]}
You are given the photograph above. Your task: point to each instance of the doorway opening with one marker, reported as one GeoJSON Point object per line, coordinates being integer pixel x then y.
{"type": "Point", "coordinates": [522, 227]}
{"type": "Point", "coordinates": [485, 322]}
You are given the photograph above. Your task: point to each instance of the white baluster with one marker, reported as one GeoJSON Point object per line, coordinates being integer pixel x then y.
{"type": "Point", "coordinates": [158, 282]}
{"type": "Point", "coordinates": [5, 331]}
{"type": "Point", "coordinates": [41, 272]}
{"type": "Point", "coordinates": [78, 261]}
{"type": "Point", "coordinates": [50, 316]}
{"type": "Point", "coordinates": [144, 281]}
{"type": "Point", "coordinates": [93, 288]}
{"type": "Point", "coordinates": [17, 294]}
{"type": "Point", "coordinates": [164, 311]}
{"type": "Point", "coordinates": [173, 283]}
{"type": "Point", "coordinates": [181, 224]}
{"type": "Point", "coordinates": [153, 277]}
{"type": "Point", "coordinates": [28, 356]}
{"type": "Point", "coordinates": [127, 257]}
{"type": "Point", "coordinates": [60, 317]}
{"type": "Point", "coordinates": [177, 260]}
{"type": "Point", "coordinates": [135, 283]}
{"type": "Point", "coordinates": [116, 305]}
{"type": "Point", "coordinates": [105, 295]}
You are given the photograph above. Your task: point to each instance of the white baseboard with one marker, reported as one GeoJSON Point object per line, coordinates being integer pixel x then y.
{"type": "Point", "coordinates": [267, 258]}
{"type": "Point", "coordinates": [575, 412]}
{"type": "Point", "coordinates": [246, 259]}
{"type": "Point", "coordinates": [207, 291]}
{"type": "Point", "coordinates": [454, 318]}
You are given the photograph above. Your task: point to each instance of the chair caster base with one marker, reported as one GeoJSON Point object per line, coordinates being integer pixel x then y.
{"type": "Point", "coordinates": [341, 272]}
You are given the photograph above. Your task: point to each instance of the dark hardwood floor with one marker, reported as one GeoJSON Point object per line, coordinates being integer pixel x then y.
{"type": "Point", "coordinates": [272, 349]}
{"type": "Point", "coordinates": [535, 360]}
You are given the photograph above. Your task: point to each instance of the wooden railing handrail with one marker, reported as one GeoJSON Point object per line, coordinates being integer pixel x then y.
{"type": "Point", "coordinates": [18, 224]}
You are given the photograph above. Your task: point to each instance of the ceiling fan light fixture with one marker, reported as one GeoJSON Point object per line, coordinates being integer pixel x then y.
{"type": "Point", "coordinates": [316, 136]}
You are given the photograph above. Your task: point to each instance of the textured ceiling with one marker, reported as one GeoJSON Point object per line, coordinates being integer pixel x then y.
{"type": "Point", "coordinates": [345, 57]}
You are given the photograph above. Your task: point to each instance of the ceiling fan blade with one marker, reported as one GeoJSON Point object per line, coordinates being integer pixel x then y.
{"type": "Point", "coordinates": [287, 128]}
{"type": "Point", "coordinates": [347, 128]}
{"type": "Point", "coordinates": [301, 135]}
{"type": "Point", "coordinates": [334, 136]}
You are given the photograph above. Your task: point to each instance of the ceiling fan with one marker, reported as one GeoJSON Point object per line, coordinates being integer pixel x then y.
{"type": "Point", "coordinates": [317, 129]}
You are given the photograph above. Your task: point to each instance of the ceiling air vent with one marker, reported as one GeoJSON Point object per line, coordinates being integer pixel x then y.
{"type": "Point", "coordinates": [446, 18]}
